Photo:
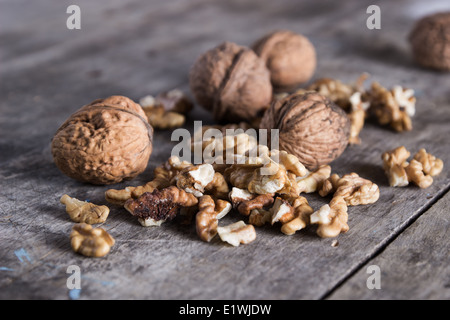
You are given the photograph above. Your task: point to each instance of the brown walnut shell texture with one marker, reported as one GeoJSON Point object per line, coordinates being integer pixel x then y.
{"type": "Point", "coordinates": [311, 127]}
{"type": "Point", "coordinates": [232, 82]}
{"type": "Point", "coordinates": [290, 58]}
{"type": "Point", "coordinates": [104, 142]}
{"type": "Point", "coordinates": [430, 41]}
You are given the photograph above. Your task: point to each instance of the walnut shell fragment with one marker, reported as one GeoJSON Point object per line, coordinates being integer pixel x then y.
{"type": "Point", "coordinates": [232, 82]}
{"type": "Point", "coordinates": [311, 127]}
{"type": "Point", "coordinates": [104, 142]}
{"type": "Point", "coordinates": [430, 41]}
{"type": "Point", "coordinates": [290, 57]}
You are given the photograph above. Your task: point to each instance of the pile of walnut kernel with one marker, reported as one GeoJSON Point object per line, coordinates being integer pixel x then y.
{"type": "Point", "coordinates": [262, 190]}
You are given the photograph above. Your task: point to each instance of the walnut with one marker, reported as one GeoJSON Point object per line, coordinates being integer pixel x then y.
{"type": "Point", "coordinates": [430, 41]}
{"type": "Point", "coordinates": [259, 217]}
{"type": "Point", "coordinates": [394, 163]}
{"type": "Point", "coordinates": [273, 180]}
{"type": "Point", "coordinates": [259, 202]}
{"type": "Point", "coordinates": [344, 95]}
{"type": "Point", "coordinates": [420, 170]}
{"type": "Point", "coordinates": [159, 206]}
{"type": "Point", "coordinates": [311, 127]}
{"type": "Point", "coordinates": [90, 242]}
{"type": "Point", "coordinates": [237, 233]}
{"type": "Point", "coordinates": [232, 82]}
{"type": "Point", "coordinates": [332, 219]}
{"type": "Point", "coordinates": [313, 180]}
{"type": "Point", "coordinates": [238, 195]}
{"type": "Point", "coordinates": [158, 113]}
{"type": "Point", "coordinates": [281, 211]}
{"type": "Point", "coordinates": [163, 178]}
{"type": "Point", "coordinates": [301, 215]}
{"type": "Point", "coordinates": [357, 118]}
{"type": "Point", "coordinates": [218, 187]}
{"type": "Point", "coordinates": [290, 57]}
{"type": "Point", "coordinates": [82, 211]}
{"type": "Point", "coordinates": [194, 179]}
{"type": "Point", "coordinates": [352, 188]}
{"type": "Point", "coordinates": [393, 107]}
{"type": "Point", "coordinates": [104, 142]}
{"type": "Point", "coordinates": [431, 165]}
{"type": "Point", "coordinates": [175, 101]}
{"type": "Point", "coordinates": [416, 174]}
{"type": "Point", "coordinates": [210, 211]}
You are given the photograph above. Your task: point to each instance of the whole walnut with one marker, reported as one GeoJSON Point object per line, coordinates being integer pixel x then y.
{"type": "Point", "coordinates": [290, 57]}
{"type": "Point", "coordinates": [430, 41]}
{"type": "Point", "coordinates": [311, 127]}
{"type": "Point", "coordinates": [104, 142]}
{"type": "Point", "coordinates": [232, 82]}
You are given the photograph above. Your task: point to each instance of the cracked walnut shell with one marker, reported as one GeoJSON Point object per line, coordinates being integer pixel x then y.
{"type": "Point", "coordinates": [232, 82]}
{"type": "Point", "coordinates": [311, 127]}
{"type": "Point", "coordinates": [104, 142]}
{"type": "Point", "coordinates": [290, 57]}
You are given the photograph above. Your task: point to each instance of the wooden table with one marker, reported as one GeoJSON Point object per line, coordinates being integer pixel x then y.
{"type": "Point", "coordinates": [137, 47]}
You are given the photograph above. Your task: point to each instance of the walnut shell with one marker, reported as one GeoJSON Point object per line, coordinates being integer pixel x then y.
{"type": "Point", "coordinates": [311, 127]}
{"type": "Point", "coordinates": [104, 142]}
{"type": "Point", "coordinates": [430, 41]}
{"type": "Point", "coordinates": [290, 57]}
{"type": "Point", "coordinates": [233, 82]}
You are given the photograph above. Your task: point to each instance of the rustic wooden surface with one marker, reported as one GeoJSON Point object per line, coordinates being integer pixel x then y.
{"type": "Point", "coordinates": [141, 47]}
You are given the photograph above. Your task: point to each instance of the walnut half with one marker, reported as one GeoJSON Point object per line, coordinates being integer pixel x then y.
{"type": "Point", "coordinates": [82, 211]}
{"type": "Point", "coordinates": [89, 241]}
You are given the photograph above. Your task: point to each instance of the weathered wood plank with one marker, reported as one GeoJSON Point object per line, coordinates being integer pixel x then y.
{"type": "Point", "coordinates": [135, 48]}
{"type": "Point", "coordinates": [414, 266]}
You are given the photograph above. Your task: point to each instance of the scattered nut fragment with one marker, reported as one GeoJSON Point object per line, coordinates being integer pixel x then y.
{"type": "Point", "coordinates": [194, 179]}
{"type": "Point", "coordinates": [90, 242]}
{"type": "Point", "coordinates": [175, 101]}
{"type": "Point", "coordinates": [332, 219]}
{"type": "Point", "coordinates": [392, 107]}
{"type": "Point", "coordinates": [270, 178]}
{"type": "Point", "coordinates": [82, 211]}
{"type": "Point", "coordinates": [238, 195]}
{"type": "Point", "coordinates": [259, 202]}
{"type": "Point", "coordinates": [394, 163]}
{"type": "Point", "coordinates": [259, 217]}
{"type": "Point", "coordinates": [416, 174]}
{"type": "Point", "coordinates": [210, 211]}
{"type": "Point", "coordinates": [154, 208]}
{"type": "Point", "coordinates": [281, 211]}
{"type": "Point", "coordinates": [218, 187]}
{"type": "Point", "coordinates": [158, 116]}
{"type": "Point", "coordinates": [431, 165]}
{"type": "Point", "coordinates": [352, 188]}
{"type": "Point", "coordinates": [302, 213]}
{"type": "Point", "coordinates": [313, 181]}
{"type": "Point", "coordinates": [420, 170]}
{"type": "Point", "coordinates": [163, 178]}
{"type": "Point", "coordinates": [237, 233]}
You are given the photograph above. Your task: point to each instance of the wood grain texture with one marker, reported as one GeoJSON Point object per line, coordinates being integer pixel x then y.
{"type": "Point", "coordinates": [137, 47]}
{"type": "Point", "coordinates": [417, 262]}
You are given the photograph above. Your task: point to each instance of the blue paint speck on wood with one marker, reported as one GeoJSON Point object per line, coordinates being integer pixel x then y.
{"type": "Point", "coordinates": [21, 254]}
{"type": "Point", "coordinates": [74, 294]}
{"type": "Point", "coordinates": [6, 269]}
